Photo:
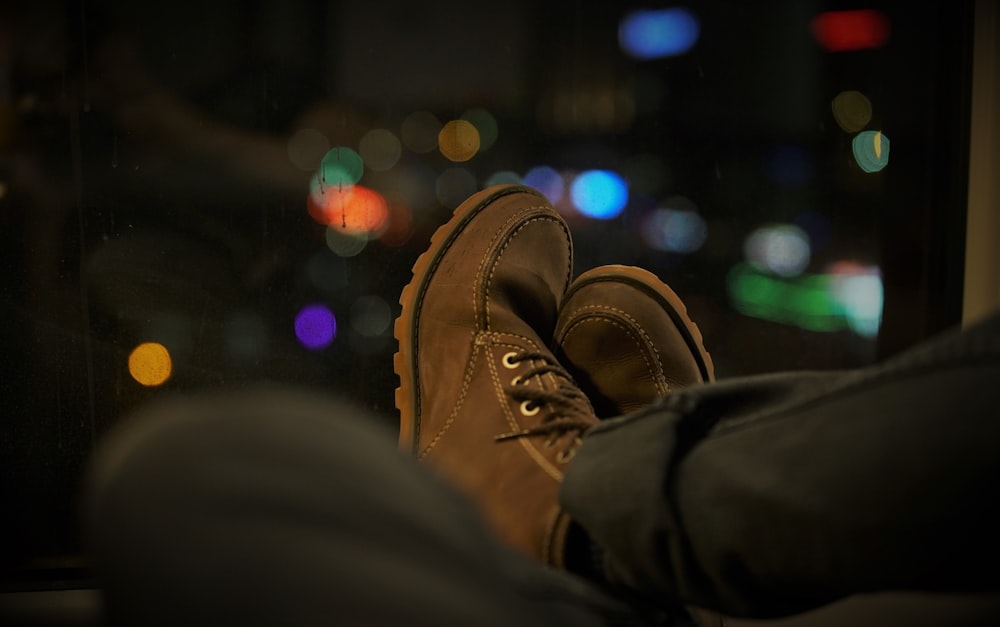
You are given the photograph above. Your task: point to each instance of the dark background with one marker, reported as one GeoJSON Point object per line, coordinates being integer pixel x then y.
{"type": "Point", "coordinates": [147, 192]}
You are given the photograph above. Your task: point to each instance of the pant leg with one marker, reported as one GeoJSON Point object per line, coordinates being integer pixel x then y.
{"type": "Point", "coordinates": [766, 496]}
{"type": "Point", "coordinates": [279, 508]}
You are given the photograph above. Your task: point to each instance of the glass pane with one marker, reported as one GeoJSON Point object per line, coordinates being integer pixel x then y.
{"type": "Point", "coordinates": [200, 194]}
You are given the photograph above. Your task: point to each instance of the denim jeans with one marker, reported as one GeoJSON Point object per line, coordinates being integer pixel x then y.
{"type": "Point", "coordinates": [283, 507]}
{"type": "Point", "coordinates": [760, 496]}
{"type": "Point", "coordinates": [769, 495]}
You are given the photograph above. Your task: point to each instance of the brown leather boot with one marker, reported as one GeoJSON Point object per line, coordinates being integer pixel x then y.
{"type": "Point", "coordinates": [481, 398]}
{"type": "Point", "coordinates": [627, 340]}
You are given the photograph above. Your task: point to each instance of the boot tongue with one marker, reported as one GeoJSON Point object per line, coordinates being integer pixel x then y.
{"type": "Point", "coordinates": [521, 304]}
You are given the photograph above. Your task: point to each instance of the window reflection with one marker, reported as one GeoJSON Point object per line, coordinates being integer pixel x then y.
{"type": "Point", "coordinates": [214, 194]}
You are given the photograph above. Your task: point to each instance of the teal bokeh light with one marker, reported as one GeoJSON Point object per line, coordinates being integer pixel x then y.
{"type": "Point", "coordinates": [341, 166]}
{"type": "Point", "coordinates": [871, 150]}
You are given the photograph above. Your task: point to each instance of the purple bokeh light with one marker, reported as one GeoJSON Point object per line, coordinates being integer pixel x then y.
{"type": "Point", "coordinates": [315, 326]}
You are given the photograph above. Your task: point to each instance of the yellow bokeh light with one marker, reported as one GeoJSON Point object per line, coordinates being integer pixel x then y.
{"type": "Point", "coordinates": [150, 364]}
{"type": "Point", "coordinates": [458, 140]}
{"type": "Point", "coordinates": [852, 110]}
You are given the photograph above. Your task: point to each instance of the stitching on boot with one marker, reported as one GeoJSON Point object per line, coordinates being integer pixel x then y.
{"type": "Point", "coordinates": [638, 335]}
{"type": "Point", "coordinates": [460, 401]}
{"type": "Point", "coordinates": [480, 271]}
{"type": "Point", "coordinates": [552, 217]}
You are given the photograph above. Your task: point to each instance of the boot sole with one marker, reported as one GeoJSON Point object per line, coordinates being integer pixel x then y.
{"type": "Point", "coordinates": [669, 301]}
{"type": "Point", "coordinates": [405, 328]}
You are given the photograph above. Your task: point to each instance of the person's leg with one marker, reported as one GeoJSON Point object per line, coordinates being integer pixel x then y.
{"type": "Point", "coordinates": [495, 341]}
{"type": "Point", "coordinates": [770, 495]}
{"type": "Point", "coordinates": [279, 507]}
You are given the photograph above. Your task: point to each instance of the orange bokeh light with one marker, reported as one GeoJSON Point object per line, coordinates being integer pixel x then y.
{"type": "Point", "coordinates": [350, 208]}
{"type": "Point", "coordinates": [149, 363]}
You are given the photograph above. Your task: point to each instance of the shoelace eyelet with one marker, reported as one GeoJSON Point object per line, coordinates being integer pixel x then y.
{"type": "Point", "coordinates": [529, 408]}
{"type": "Point", "coordinates": [510, 360]}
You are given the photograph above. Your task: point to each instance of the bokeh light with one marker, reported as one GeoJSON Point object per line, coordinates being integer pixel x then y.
{"type": "Point", "coordinates": [315, 326]}
{"type": "Point", "coordinates": [546, 180]}
{"type": "Point", "coordinates": [306, 148]}
{"type": "Point", "coordinates": [652, 34]}
{"type": "Point", "coordinates": [353, 208]}
{"type": "Point", "coordinates": [412, 180]}
{"type": "Point", "coordinates": [458, 140]}
{"type": "Point", "coordinates": [340, 167]}
{"type": "Point", "coordinates": [805, 301]}
{"type": "Point", "coordinates": [844, 31]}
{"type": "Point", "coordinates": [848, 295]}
{"type": "Point", "coordinates": [851, 110]}
{"type": "Point", "coordinates": [859, 291]}
{"type": "Point", "coordinates": [503, 176]}
{"type": "Point", "coordinates": [486, 124]}
{"type": "Point", "coordinates": [345, 243]}
{"type": "Point", "coordinates": [783, 249]}
{"type": "Point", "coordinates": [592, 107]}
{"type": "Point", "coordinates": [150, 364]}
{"type": "Point", "coordinates": [399, 227]}
{"type": "Point", "coordinates": [380, 149]}
{"type": "Point", "coordinates": [370, 316]}
{"type": "Point", "coordinates": [454, 185]}
{"type": "Point", "coordinates": [600, 194]}
{"type": "Point", "coordinates": [419, 131]}
{"type": "Point", "coordinates": [871, 150]}
{"type": "Point", "coordinates": [676, 230]}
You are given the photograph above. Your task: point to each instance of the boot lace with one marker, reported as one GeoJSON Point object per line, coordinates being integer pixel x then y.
{"type": "Point", "coordinates": [569, 409]}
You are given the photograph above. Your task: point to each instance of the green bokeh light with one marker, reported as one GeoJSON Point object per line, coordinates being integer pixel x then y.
{"type": "Point", "coordinates": [341, 166]}
{"type": "Point", "coordinates": [816, 302]}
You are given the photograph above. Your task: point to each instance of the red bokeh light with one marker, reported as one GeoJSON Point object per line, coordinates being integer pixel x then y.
{"type": "Point", "coordinates": [843, 31]}
{"type": "Point", "coordinates": [350, 208]}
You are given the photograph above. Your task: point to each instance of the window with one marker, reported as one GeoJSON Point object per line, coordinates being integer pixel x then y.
{"type": "Point", "coordinates": [184, 185]}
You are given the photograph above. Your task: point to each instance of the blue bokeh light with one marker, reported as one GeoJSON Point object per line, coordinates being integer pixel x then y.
{"type": "Point", "coordinates": [653, 34]}
{"type": "Point", "coordinates": [674, 230]}
{"type": "Point", "coordinates": [546, 180]}
{"type": "Point", "coordinates": [600, 194]}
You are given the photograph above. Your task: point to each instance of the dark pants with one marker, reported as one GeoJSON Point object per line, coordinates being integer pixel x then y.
{"type": "Point", "coordinates": [278, 507]}
{"type": "Point", "coordinates": [768, 495]}
{"type": "Point", "coordinates": [760, 496]}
